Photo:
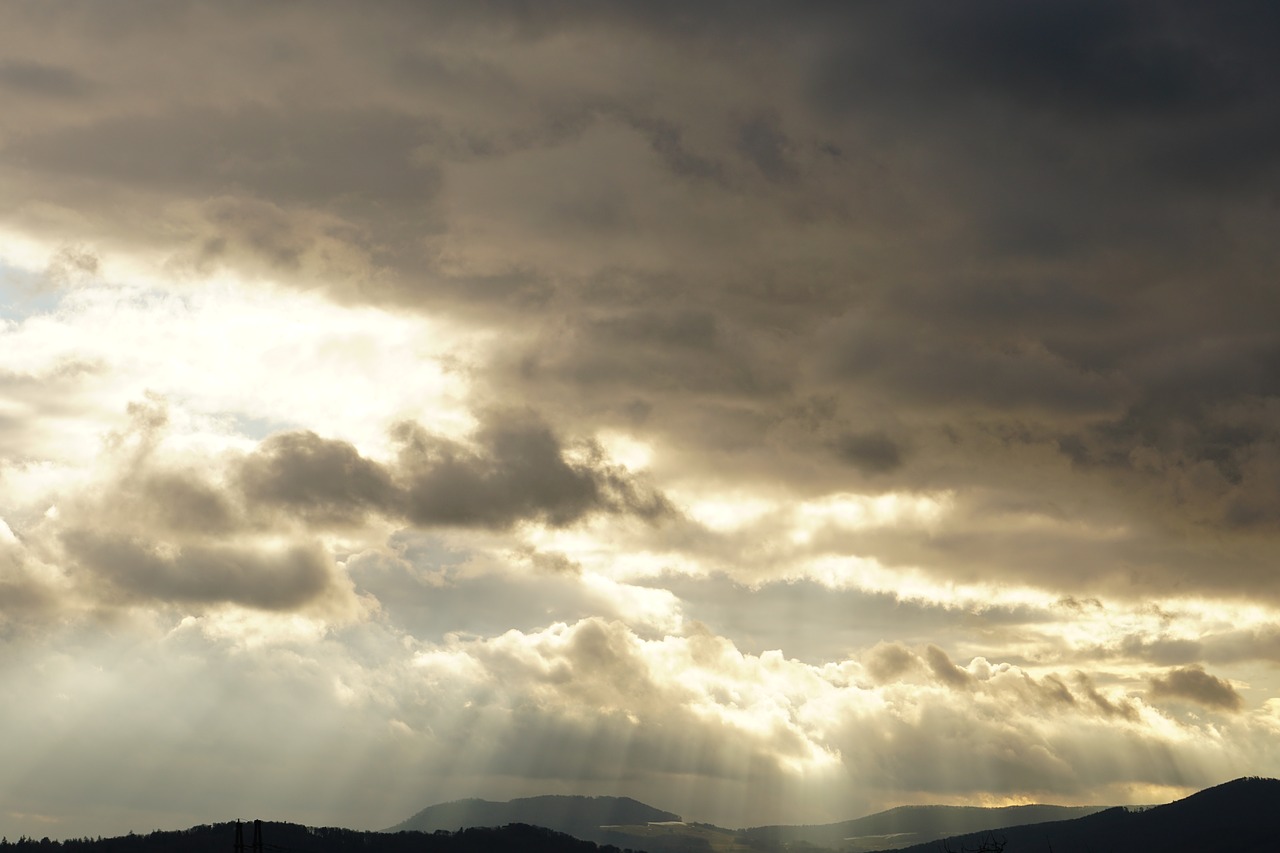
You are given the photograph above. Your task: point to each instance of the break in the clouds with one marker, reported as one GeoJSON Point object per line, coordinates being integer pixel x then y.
{"type": "Point", "coordinates": [768, 411]}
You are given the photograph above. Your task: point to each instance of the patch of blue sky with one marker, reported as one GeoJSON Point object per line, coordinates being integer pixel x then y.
{"type": "Point", "coordinates": [257, 428]}
{"type": "Point", "coordinates": [24, 293]}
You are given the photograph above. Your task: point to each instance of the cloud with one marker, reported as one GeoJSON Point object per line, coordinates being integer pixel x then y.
{"type": "Point", "coordinates": [1194, 683]}
{"type": "Point", "coordinates": [428, 590]}
{"type": "Point", "coordinates": [519, 471]}
{"type": "Point", "coordinates": [32, 594]}
{"type": "Point", "coordinates": [944, 670]}
{"type": "Point", "coordinates": [935, 367]}
{"type": "Point", "coordinates": [322, 480]}
{"type": "Point", "coordinates": [1014, 732]}
{"type": "Point", "coordinates": [182, 501]}
{"type": "Point", "coordinates": [870, 453]}
{"type": "Point", "coordinates": [762, 141]}
{"type": "Point", "coordinates": [42, 81]}
{"type": "Point", "coordinates": [889, 661]}
{"type": "Point", "coordinates": [1109, 707]}
{"type": "Point", "coordinates": [1093, 57]}
{"type": "Point", "coordinates": [269, 579]}
{"type": "Point", "coordinates": [309, 157]}
{"type": "Point", "coordinates": [515, 470]}
{"type": "Point", "coordinates": [165, 526]}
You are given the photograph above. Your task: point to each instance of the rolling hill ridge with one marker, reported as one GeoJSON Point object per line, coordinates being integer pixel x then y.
{"type": "Point", "coordinates": [1242, 816]}
{"type": "Point", "coordinates": [581, 817]}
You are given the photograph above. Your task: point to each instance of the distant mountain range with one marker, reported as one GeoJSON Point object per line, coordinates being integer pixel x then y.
{"type": "Point", "coordinates": [1241, 817]}
{"type": "Point", "coordinates": [1237, 817]}
{"type": "Point", "coordinates": [627, 823]}
{"type": "Point", "coordinates": [906, 825]}
{"type": "Point", "coordinates": [581, 817]}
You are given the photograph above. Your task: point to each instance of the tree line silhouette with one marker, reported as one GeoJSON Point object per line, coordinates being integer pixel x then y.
{"type": "Point", "coordinates": [292, 838]}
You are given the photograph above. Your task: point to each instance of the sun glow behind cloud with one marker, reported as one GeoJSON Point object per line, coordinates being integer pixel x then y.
{"type": "Point", "coordinates": [228, 351]}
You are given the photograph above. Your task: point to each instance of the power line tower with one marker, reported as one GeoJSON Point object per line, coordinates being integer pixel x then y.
{"type": "Point", "coordinates": [257, 838]}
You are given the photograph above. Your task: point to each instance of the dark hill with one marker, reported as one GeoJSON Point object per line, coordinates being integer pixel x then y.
{"type": "Point", "coordinates": [581, 817]}
{"type": "Point", "coordinates": [907, 825]}
{"type": "Point", "coordinates": [1237, 817]}
{"type": "Point", "coordinates": [291, 838]}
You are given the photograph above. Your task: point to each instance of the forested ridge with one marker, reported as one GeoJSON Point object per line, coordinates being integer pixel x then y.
{"type": "Point", "coordinates": [292, 838]}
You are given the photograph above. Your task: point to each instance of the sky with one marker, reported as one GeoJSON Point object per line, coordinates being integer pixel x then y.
{"type": "Point", "coordinates": [773, 412]}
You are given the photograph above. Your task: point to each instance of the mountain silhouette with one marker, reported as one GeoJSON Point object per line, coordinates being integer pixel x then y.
{"type": "Point", "coordinates": [627, 823]}
{"type": "Point", "coordinates": [581, 817]}
{"type": "Point", "coordinates": [1242, 816]}
{"type": "Point", "coordinates": [906, 825]}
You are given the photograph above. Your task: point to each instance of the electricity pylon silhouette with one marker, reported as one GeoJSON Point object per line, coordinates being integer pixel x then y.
{"type": "Point", "coordinates": [257, 837]}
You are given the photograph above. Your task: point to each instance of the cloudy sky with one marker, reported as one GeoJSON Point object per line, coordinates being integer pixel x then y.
{"type": "Point", "coordinates": [770, 411]}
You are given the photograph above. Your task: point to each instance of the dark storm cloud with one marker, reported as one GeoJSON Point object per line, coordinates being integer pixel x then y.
{"type": "Point", "coordinates": [518, 470]}
{"type": "Point", "coordinates": [203, 574]}
{"type": "Point", "coordinates": [323, 480]}
{"type": "Point", "coordinates": [1019, 226]}
{"type": "Point", "coordinates": [1204, 432]}
{"type": "Point", "coordinates": [928, 366]}
{"type": "Point", "coordinates": [1093, 58]}
{"type": "Point", "coordinates": [520, 473]}
{"type": "Point", "coordinates": [673, 353]}
{"type": "Point", "coordinates": [1199, 686]}
{"type": "Point", "coordinates": [1071, 126]}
